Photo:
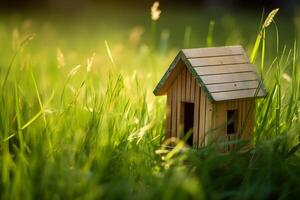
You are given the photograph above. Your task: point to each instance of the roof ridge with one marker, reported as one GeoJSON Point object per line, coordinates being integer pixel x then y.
{"type": "Point", "coordinates": [184, 56]}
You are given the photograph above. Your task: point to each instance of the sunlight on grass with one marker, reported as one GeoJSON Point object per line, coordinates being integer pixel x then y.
{"type": "Point", "coordinates": [80, 123]}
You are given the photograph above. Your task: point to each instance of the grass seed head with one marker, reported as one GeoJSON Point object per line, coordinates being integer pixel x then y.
{"type": "Point", "coordinates": [135, 35]}
{"type": "Point", "coordinates": [74, 71]}
{"type": "Point", "coordinates": [155, 12]}
{"type": "Point", "coordinates": [60, 58]}
{"type": "Point", "coordinates": [270, 18]}
{"type": "Point", "coordinates": [90, 62]}
{"type": "Point", "coordinates": [286, 77]}
{"type": "Point", "coordinates": [26, 39]}
{"type": "Point", "coordinates": [15, 38]}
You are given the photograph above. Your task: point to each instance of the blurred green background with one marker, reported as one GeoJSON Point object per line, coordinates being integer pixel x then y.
{"type": "Point", "coordinates": [235, 21]}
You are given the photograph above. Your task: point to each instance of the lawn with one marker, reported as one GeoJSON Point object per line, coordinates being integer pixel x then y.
{"type": "Point", "coordinates": [78, 118]}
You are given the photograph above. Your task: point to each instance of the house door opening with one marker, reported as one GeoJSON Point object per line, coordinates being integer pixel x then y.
{"type": "Point", "coordinates": [232, 126]}
{"type": "Point", "coordinates": [188, 122]}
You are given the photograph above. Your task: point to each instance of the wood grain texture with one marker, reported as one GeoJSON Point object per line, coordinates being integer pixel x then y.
{"type": "Point", "coordinates": [229, 78]}
{"type": "Point", "coordinates": [217, 70]}
{"type": "Point", "coordinates": [193, 89]}
{"type": "Point", "coordinates": [188, 87]}
{"type": "Point", "coordinates": [174, 109]}
{"type": "Point", "coordinates": [183, 85]}
{"type": "Point", "coordinates": [224, 69]}
{"type": "Point", "coordinates": [238, 94]}
{"type": "Point", "coordinates": [213, 51]}
{"type": "Point", "coordinates": [220, 126]}
{"type": "Point", "coordinates": [249, 105]}
{"type": "Point", "coordinates": [169, 114]}
{"type": "Point", "coordinates": [179, 119]}
{"type": "Point", "coordinates": [245, 119]}
{"type": "Point", "coordinates": [196, 116]}
{"type": "Point", "coordinates": [222, 60]}
{"type": "Point", "coordinates": [202, 119]}
{"type": "Point", "coordinates": [230, 84]}
{"type": "Point", "coordinates": [251, 117]}
{"type": "Point", "coordinates": [223, 87]}
{"type": "Point", "coordinates": [208, 120]}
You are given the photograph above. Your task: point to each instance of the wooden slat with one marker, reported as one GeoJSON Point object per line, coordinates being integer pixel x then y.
{"type": "Point", "coordinates": [250, 106]}
{"type": "Point", "coordinates": [179, 124]}
{"type": "Point", "coordinates": [208, 121]}
{"type": "Point", "coordinates": [213, 51]}
{"type": "Point", "coordinates": [251, 117]}
{"type": "Point", "coordinates": [244, 122]}
{"type": "Point", "coordinates": [169, 114]}
{"type": "Point", "coordinates": [228, 104]}
{"type": "Point", "coordinates": [174, 109]}
{"type": "Point", "coordinates": [222, 69]}
{"type": "Point", "coordinates": [196, 116]}
{"type": "Point", "coordinates": [183, 85]}
{"type": "Point", "coordinates": [188, 87]}
{"type": "Point", "coordinates": [234, 104]}
{"type": "Point", "coordinates": [202, 120]}
{"type": "Point", "coordinates": [223, 60]}
{"type": "Point", "coordinates": [220, 126]}
{"type": "Point", "coordinates": [238, 94]}
{"type": "Point", "coordinates": [233, 86]}
{"type": "Point", "coordinates": [227, 78]}
{"type": "Point", "coordinates": [182, 99]}
{"type": "Point", "coordinates": [193, 88]}
{"type": "Point", "coordinates": [246, 118]}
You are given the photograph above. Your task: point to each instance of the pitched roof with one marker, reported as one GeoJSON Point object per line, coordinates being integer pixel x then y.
{"type": "Point", "coordinates": [224, 73]}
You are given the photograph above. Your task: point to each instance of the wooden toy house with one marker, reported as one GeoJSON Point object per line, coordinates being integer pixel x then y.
{"type": "Point", "coordinates": [211, 93]}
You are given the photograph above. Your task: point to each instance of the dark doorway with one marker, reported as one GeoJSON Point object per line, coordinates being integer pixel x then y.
{"type": "Point", "coordinates": [232, 121]}
{"type": "Point", "coordinates": [188, 122]}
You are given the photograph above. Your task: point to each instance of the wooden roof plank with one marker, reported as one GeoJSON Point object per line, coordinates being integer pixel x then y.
{"type": "Point", "coordinates": [233, 86]}
{"type": "Point", "coordinates": [222, 60]}
{"type": "Point", "coordinates": [221, 69]}
{"type": "Point", "coordinates": [218, 71]}
{"type": "Point", "coordinates": [213, 51]}
{"type": "Point", "coordinates": [238, 94]}
{"type": "Point", "coordinates": [226, 78]}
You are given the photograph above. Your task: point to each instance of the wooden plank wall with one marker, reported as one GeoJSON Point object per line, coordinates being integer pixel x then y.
{"type": "Point", "coordinates": [185, 89]}
{"type": "Point", "coordinates": [245, 107]}
{"type": "Point", "coordinates": [249, 120]}
{"type": "Point", "coordinates": [169, 115]}
{"type": "Point", "coordinates": [207, 116]}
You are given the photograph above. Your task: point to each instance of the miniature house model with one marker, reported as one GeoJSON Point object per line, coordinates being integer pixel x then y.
{"type": "Point", "coordinates": [211, 95]}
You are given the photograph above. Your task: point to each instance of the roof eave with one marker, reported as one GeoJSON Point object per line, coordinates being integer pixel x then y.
{"type": "Point", "coordinates": [198, 79]}
{"type": "Point", "coordinates": [157, 91]}
{"type": "Point", "coordinates": [181, 56]}
{"type": "Point", "coordinates": [161, 88]}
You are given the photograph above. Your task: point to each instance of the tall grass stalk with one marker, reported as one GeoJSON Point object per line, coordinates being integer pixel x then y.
{"type": "Point", "coordinates": [209, 39]}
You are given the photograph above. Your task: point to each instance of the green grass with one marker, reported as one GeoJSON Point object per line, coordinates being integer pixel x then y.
{"type": "Point", "coordinates": [70, 133]}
